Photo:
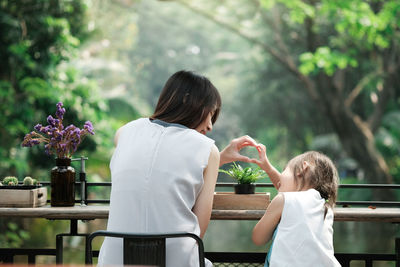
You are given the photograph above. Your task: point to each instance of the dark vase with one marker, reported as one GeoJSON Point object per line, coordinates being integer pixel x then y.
{"type": "Point", "coordinates": [245, 188]}
{"type": "Point", "coordinates": [63, 184]}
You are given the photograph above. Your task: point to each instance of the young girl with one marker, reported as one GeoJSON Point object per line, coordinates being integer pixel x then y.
{"type": "Point", "coordinates": [299, 219]}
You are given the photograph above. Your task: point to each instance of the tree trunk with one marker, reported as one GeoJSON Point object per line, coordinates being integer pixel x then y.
{"type": "Point", "coordinates": [355, 136]}
{"type": "Point", "coordinates": [363, 151]}
{"type": "Point", "coordinates": [349, 128]}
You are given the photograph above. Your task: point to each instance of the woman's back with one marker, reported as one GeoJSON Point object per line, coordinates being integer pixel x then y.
{"type": "Point", "coordinates": [157, 174]}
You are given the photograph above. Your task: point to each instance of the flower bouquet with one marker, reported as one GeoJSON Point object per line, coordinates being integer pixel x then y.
{"type": "Point", "coordinates": [62, 142]}
{"type": "Point", "coordinates": [59, 141]}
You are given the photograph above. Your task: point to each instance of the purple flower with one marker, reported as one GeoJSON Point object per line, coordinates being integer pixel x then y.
{"type": "Point", "coordinates": [60, 111]}
{"type": "Point", "coordinates": [59, 141]}
{"type": "Point", "coordinates": [51, 121]}
{"type": "Point", "coordinates": [70, 128]}
{"type": "Point", "coordinates": [35, 142]}
{"type": "Point", "coordinates": [46, 129]}
{"type": "Point", "coordinates": [59, 135]}
{"type": "Point", "coordinates": [38, 127]}
{"type": "Point", "coordinates": [89, 127]}
{"type": "Point", "coordinates": [77, 132]}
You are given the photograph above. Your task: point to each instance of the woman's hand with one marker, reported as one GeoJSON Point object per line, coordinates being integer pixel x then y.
{"type": "Point", "coordinates": [231, 152]}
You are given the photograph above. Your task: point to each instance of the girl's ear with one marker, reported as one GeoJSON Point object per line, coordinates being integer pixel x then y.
{"type": "Point", "coordinates": [306, 166]}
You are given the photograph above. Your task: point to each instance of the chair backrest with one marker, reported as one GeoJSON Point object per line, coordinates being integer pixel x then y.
{"type": "Point", "coordinates": [143, 249]}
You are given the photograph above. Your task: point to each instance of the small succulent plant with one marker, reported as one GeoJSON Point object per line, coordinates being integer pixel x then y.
{"type": "Point", "coordinates": [28, 180]}
{"type": "Point", "coordinates": [10, 180]}
{"type": "Point", "coordinates": [244, 175]}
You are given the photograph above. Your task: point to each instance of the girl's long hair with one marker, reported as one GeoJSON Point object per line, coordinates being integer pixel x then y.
{"type": "Point", "coordinates": [321, 175]}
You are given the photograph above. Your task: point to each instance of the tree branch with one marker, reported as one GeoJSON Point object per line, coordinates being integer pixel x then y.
{"type": "Point", "coordinates": [360, 86]}
{"type": "Point", "coordinates": [339, 80]}
{"type": "Point", "coordinates": [285, 61]}
{"type": "Point", "coordinates": [235, 30]}
{"type": "Point", "coordinates": [275, 24]}
{"type": "Point", "coordinates": [374, 121]}
{"type": "Point", "coordinates": [385, 91]}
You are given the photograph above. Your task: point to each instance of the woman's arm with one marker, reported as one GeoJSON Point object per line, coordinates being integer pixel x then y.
{"type": "Point", "coordinates": [116, 137]}
{"type": "Point", "coordinates": [264, 229]}
{"type": "Point", "coordinates": [204, 201]}
{"type": "Point", "coordinates": [231, 152]}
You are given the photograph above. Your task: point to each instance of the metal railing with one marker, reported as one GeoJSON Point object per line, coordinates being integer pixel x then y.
{"type": "Point", "coordinates": [258, 185]}
{"type": "Point", "coordinates": [226, 258]}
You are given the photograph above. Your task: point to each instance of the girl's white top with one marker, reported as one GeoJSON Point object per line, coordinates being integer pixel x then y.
{"type": "Point", "coordinates": [304, 237]}
{"type": "Point", "coordinates": [157, 175]}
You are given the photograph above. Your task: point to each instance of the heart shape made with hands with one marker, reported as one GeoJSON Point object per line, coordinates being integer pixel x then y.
{"type": "Point", "coordinates": [250, 152]}
{"type": "Point", "coordinates": [238, 149]}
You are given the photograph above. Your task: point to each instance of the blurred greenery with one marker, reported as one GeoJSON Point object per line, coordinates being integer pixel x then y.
{"type": "Point", "coordinates": [13, 237]}
{"type": "Point", "coordinates": [295, 75]}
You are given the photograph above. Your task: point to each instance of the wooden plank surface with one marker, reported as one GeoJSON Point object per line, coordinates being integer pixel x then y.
{"type": "Point", "coordinates": [79, 212]}
{"type": "Point", "coordinates": [76, 212]}
{"type": "Point", "coordinates": [232, 201]}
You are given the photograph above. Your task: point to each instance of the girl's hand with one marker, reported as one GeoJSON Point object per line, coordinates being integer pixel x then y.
{"type": "Point", "coordinates": [264, 164]}
{"type": "Point", "coordinates": [263, 161]}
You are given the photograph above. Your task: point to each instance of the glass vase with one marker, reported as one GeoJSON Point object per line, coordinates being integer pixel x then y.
{"type": "Point", "coordinates": [62, 184]}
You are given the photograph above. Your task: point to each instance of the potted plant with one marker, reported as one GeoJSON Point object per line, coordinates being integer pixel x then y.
{"type": "Point", "coordinates": [62, 142]}
{"type": "Point", "coordinates": [245, 178]}
{"type": "Point", "coordinates": [11, 182]}
{"type": "Point", "coordinates": [29, 193]}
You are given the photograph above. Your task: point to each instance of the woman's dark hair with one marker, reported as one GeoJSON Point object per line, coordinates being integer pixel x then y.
{"type": "Point", "coordinates": [187, 98]}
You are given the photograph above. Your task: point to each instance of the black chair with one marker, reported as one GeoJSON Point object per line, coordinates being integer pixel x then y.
{"type": "Point", "coordinates": [143, 249]}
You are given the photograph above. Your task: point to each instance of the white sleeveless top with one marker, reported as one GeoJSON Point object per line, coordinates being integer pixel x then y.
{"type": "Point", "coordinates": [157, 175]}
{"type": "Point", "coordinates": [304, 238]}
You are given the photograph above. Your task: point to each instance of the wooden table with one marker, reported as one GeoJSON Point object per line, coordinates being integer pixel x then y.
{"type": "Point", "coordinates": [91, 212]}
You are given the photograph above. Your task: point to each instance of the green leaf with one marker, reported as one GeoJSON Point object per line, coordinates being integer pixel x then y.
{"type": "Point", "coordinates": [247, 175]}
{"type": "Point", "coordinates": [12, 226]}
{"type": "Point", "coordinates": [267, 4]}
{"type": "Point", "coordinates": [24, 235]}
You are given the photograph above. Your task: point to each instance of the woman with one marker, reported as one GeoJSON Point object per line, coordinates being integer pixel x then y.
{"type": "Point", "coordinates": [164, 169]}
